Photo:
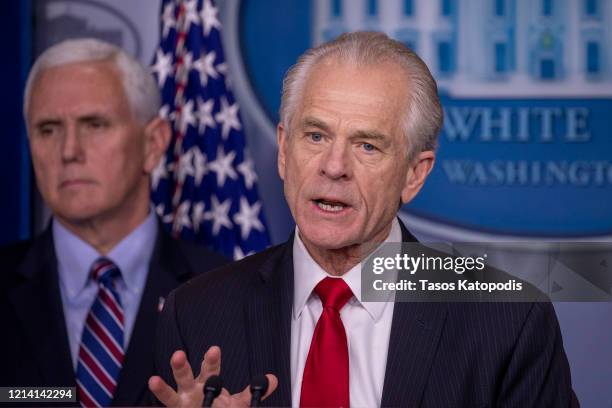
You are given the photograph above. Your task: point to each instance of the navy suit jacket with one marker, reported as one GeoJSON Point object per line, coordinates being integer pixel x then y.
{"type": "Point", "coordinates": [34, 349]}
{"type": "Point", "coordinates": [440, 354]}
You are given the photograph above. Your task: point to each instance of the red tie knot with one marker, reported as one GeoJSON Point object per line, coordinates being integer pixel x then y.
{"type": "Point", "coordinates": [334, 293]}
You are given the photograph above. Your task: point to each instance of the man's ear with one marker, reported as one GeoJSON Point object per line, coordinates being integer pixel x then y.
{"type": "Point", "coordinates": [281, 138]}
{"type": "Point", "coordinates": [157, 134]}
{"type": "Point", "coordinates": [417, 172]}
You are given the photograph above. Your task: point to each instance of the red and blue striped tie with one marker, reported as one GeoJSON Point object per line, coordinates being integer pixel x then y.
{"type": "Point", "coordinates": [101, 350]}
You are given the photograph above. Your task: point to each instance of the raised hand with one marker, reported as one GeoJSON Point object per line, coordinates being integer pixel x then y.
{"type": "Point", "coordinates": [190, 390]}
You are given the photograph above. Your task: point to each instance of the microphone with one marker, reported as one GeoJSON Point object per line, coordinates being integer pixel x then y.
{"type": "Point", "coordinates": [259, 386]}
{"type": "Point", "coordinates": [212, 389]}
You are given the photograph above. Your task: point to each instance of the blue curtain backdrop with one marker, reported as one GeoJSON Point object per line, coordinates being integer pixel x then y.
{"type": "Point", "coordinates": [14, 158]}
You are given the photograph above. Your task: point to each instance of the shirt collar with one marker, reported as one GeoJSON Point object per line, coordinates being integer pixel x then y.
{"type": "Point", "coordinates": [75, 256]}
{"type": "Point", "coordinates": [132, 253]}
{"type": "Point", "coordinates": [308, 273]}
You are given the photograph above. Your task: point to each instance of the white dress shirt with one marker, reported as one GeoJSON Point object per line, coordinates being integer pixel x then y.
{"type": "Point", "coordinates": [367, 325]}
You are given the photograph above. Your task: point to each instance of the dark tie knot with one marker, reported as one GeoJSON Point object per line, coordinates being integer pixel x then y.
{"type": "Point", "coordinates": [334, 293]}
{"type": "Point", "coordinates": [104, 271]}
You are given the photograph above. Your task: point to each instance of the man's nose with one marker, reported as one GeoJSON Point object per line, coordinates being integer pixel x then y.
{"type": "Point", "coordinates": [336, 162]}
{"type": "Point", "coordinates": [72, 149]}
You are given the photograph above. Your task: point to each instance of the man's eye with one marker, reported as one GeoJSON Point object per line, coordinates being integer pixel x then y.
{"type": "Point", "coordinates": [316, 137]}
{"type": "Point", "coordinates": [47, 131]}
{"type": "Point", "coordinates": [95, 124]}
{"type": "Point", "coordinates": [368, 147]}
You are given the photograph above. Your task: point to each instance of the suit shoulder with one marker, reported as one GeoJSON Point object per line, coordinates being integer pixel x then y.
{"type": "Point", "coordinates": [509, 318]}
{"type": "Point", "coordinates": [200, 257]}
{"type": "Point", "coordinates": [232, 276]}
{"type": "Point", "coordinates": [11, 257]}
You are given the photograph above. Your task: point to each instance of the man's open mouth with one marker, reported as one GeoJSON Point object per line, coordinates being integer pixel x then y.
{"type": "Point", "coordinates": [331, 206]}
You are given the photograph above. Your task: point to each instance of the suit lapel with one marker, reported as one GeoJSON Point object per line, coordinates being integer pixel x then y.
{"type": "Point", "coordinates": [415, 332]}
{"type": "Point", "coordinates": [413, 342]}
{"type": "Point", "coordinates": [38, 304]}
{"type": "Point", "coordinates": [166, 270]}
{"type": "Point", "coordinates": [268, 322]}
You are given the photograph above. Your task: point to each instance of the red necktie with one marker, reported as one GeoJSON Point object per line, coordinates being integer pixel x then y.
{"type": "Point", "coordinates": [326, 374]}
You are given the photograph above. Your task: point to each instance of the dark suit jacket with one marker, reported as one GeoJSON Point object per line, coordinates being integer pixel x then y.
{"type": "Point", "coordinates": [34, 349]}
{"type": "Point", "coordinates": [440, 354]}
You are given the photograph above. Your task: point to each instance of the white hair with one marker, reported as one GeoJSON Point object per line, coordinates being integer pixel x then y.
{"type": "Point", "coordinates": [138, 84]}
{"type": "Point", "coordinates": [423, 113]}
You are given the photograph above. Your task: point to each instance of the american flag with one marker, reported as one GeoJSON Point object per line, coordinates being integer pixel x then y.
{"type": "Point", "coordinates": [204, 189]}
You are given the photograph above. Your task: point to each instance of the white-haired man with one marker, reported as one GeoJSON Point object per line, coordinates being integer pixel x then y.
{"type": "Point", "coordinates": [80, 302]}
{"type": "Point", "coordinates": [359, 123]}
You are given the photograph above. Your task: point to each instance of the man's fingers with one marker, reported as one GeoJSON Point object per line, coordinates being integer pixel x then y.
{"type": "Point", "coordinates": [223, 400]}
{"type": "Point", "coordinates": [181, 369]}
{"type": "Point", "coordinates": [244, 396]}
{"type": "Point", "coordinates": [163, 392]}
{"type": "Point", "coordinates": [272, 385]}
{"type": "Point", "coordinates": [211, 364]}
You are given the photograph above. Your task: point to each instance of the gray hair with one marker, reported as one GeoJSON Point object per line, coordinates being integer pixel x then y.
{"type": "Point", "coordinates": [138, 83]}
{"type": "Point", "coordinates": [423, 116]}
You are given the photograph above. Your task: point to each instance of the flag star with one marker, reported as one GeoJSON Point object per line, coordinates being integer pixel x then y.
{"type": "Point", "coordinates": [222, 165]}
{"type": "Point", "coordinates": [209, 17]}
{"type": "Point", "coordinates": [247, 170]}
{"type": "Point", "coordinates": [185, 166]}
{"type": "Point", "coordinates": [248, 217]}
{"type": "Point", "coordinates": [182, 219]}
{"type": "Point", "coordinates": [228, 117]}
{"type": "Point", "coordinates": [187, 117]}
{"type": "Point", "coordinates": [162, 67]}
{"type": "Point", "coordinates": [159, 172]}
{"type": "Point", "coordinates": [224, 70]}
{"type": "Point", "coordinates": [219, 214]}
{"type": "Point", "coordinates": [206, 67]}
{"type": "Point", "coordinates": [191, 14]}
{"type": "Point", "coordinates": [197, 215]}
{"type": "Point", "coordinates": [238, 254]}
{"type": "Point", "coordinates": [199, 165]}
{"type": "Point", "coordinates": [168, 19]}
{"type": "Point", "coordinates": [160, 209]}
{"type": "Point", "coordinates": [205, 115]}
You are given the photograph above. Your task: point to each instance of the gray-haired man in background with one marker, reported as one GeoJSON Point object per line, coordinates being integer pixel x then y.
{"type": "Point", "coordinates": [80, 302]}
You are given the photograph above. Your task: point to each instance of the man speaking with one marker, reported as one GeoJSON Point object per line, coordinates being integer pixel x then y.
{"type": "Point", "coordinates": [359, 123]}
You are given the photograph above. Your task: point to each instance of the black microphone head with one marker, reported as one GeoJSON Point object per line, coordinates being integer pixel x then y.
{"type": "Point", "coordinates": [214, 384]}
{"type": "Point", "coordinates": [259, 384]}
